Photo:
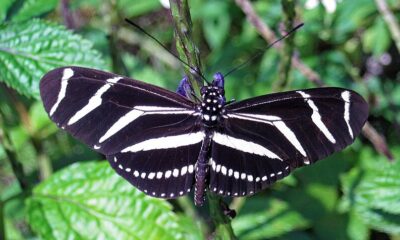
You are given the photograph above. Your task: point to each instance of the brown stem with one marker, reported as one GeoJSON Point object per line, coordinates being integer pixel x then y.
{"type": "Point", "coordinates": [185, 45]}
{"type": "Point", "coordinates": [67, 15]}
{"type": "Point", "coordinates": [390, 20]}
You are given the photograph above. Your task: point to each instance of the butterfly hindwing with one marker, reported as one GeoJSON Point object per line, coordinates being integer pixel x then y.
{"type": "Point", "coordinates": [268, 136]}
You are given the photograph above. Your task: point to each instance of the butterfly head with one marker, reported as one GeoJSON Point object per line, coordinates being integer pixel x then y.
{"type": "Point", "coordinates": [213, 100]}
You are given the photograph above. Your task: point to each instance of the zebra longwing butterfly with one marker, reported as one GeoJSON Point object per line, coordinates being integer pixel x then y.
{"type": "Point", "coordinates": [165, 144]}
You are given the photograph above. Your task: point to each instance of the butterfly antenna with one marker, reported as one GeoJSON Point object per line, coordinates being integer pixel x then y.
{"type": "Point", "coordinates": [163, 46]}
{"type": "Point", "coordinates": [260, 53]}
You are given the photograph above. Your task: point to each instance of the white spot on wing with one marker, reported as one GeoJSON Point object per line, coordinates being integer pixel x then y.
{"type": "Point", "coordinates": [223, 170]}
{"type": "Point", "coordinates": [316, 117]}
{"type": "Point", "coordinates": [249, 178]}
{"type": "Point", "coordinates": [151, 175]}
{"type": "Point", "coordinates": [175, 173]}
{"type": "Point", "coordinates": [183, 170]}
{"type": "Point", "coordinates": [346, 98]}
{"type": "Point", "coordinates": [168, 174]}
{"type": "Point", "coordinates": [264, 178]}
{"type": "Point", "coordinates": [67, 74]}
{"type": "Point", "coordinates": [94, 101]}
{"type": "Point", "coordinates": [243, 145]}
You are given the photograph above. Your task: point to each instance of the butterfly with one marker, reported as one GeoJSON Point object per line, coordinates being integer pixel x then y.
{"type": "Point", "coordinates": [167, 145]}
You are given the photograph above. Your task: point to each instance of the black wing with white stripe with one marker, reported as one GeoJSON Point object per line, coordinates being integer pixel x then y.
{"type": "Point", "coordinates": [115, 116]}
{"type": "Point", "coordinates": [268, 136]}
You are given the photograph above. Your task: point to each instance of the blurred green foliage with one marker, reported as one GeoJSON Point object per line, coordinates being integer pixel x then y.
{"type": "Point", "coordinates": [354, 194]}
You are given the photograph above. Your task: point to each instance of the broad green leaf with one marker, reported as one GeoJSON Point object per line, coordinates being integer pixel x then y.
{"type": "Point", "coordinates": [33, 8]}
{"type": "Point", "coordinates": [267, 218]}
{"type": "Point", "coordinates": [4, 7]}
{"type": "Point", "coordinates": [30, 49]}
{"type": "Point", "coordinates": [373, 193]}
{"type": "Point", "coordinates": [90, 201]}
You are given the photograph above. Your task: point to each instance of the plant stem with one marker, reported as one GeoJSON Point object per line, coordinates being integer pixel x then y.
{"type": "Point", "coordinates": [186, 204]}
{"type": "Point", "coordinates": [289, 13]}
{"type": "Point", "coordinates": [184, 43]}
{"type": "Point", "coordinates": [2, 221]}
{"type": "Point", "coordinates": [190, 54]}
{"type": "Point", "coordinates": [16, 166]}
{"type": "Point", "coordinates": [390, 20]}
{"type": "Point", "coordinates": [223, 227]}
{"type": "Point", "coordinates": [112, 23]}
{"type": "Point", "coordinates": [67, 15]}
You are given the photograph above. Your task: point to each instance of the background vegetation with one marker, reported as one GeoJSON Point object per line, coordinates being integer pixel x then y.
{"type": "Point", "coordinates": [53, 187]}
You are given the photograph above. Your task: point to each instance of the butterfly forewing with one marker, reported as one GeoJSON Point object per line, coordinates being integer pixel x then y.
{"type": "Point", "coordinates": [268, 136]}
{"type": "Point", "coordinates": [136, 125]}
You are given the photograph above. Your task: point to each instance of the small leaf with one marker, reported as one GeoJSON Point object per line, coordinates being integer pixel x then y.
{"type": "Point", "coordinates": [4, 7]}
{"type": "Point", "coordinates": [377, 38]}
{"type": "Point", "coordinates": [268, 218]}
{"type": "Point", "coordinates": [141, 7]}
{"type": "Point", "coordinates": [28, 50]}
{"type": "Point", "coordinates": [90, 201]}
{"type": "Point", "coordinates": [41, 123]}
{"type": "Point", "coordinates": [216, 25]}
{"type": "Point", "coordinates": [33, 8]}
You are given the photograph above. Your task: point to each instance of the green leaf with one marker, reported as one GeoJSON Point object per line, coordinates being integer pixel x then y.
{"type": "Point", "coordinates": [41, 125]}
{"type": "Point", "coordinates": [216, 25]}
{"type": "Point", "coordinates": [28, 50]}
{"type": "Point", "coordinates": [90, 201]}
{"type": "Point", "coordinates": [4, 7]}
{"type": "Point", "coordinates": [33, 8]}
{"type": "Point", "coordinates": [267, 218]}
{"type": "Point", "coordinates": [356, 228]}
{"type": "Point", "coordinates": [377, 38]}
{"type": "Point", "coordinates": [139, 7]}
{"type": "Point", "coordinates": [373, 193]}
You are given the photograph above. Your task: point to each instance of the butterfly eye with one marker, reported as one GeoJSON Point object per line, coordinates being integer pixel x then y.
{"type": "Point", "coordinates": [203, 90]}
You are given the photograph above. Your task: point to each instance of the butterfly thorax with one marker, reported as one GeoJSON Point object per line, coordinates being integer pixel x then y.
{"type": "Point", "coordinates": [213, 101]}
{"type": "Point", "coordinates": [211, 106]}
